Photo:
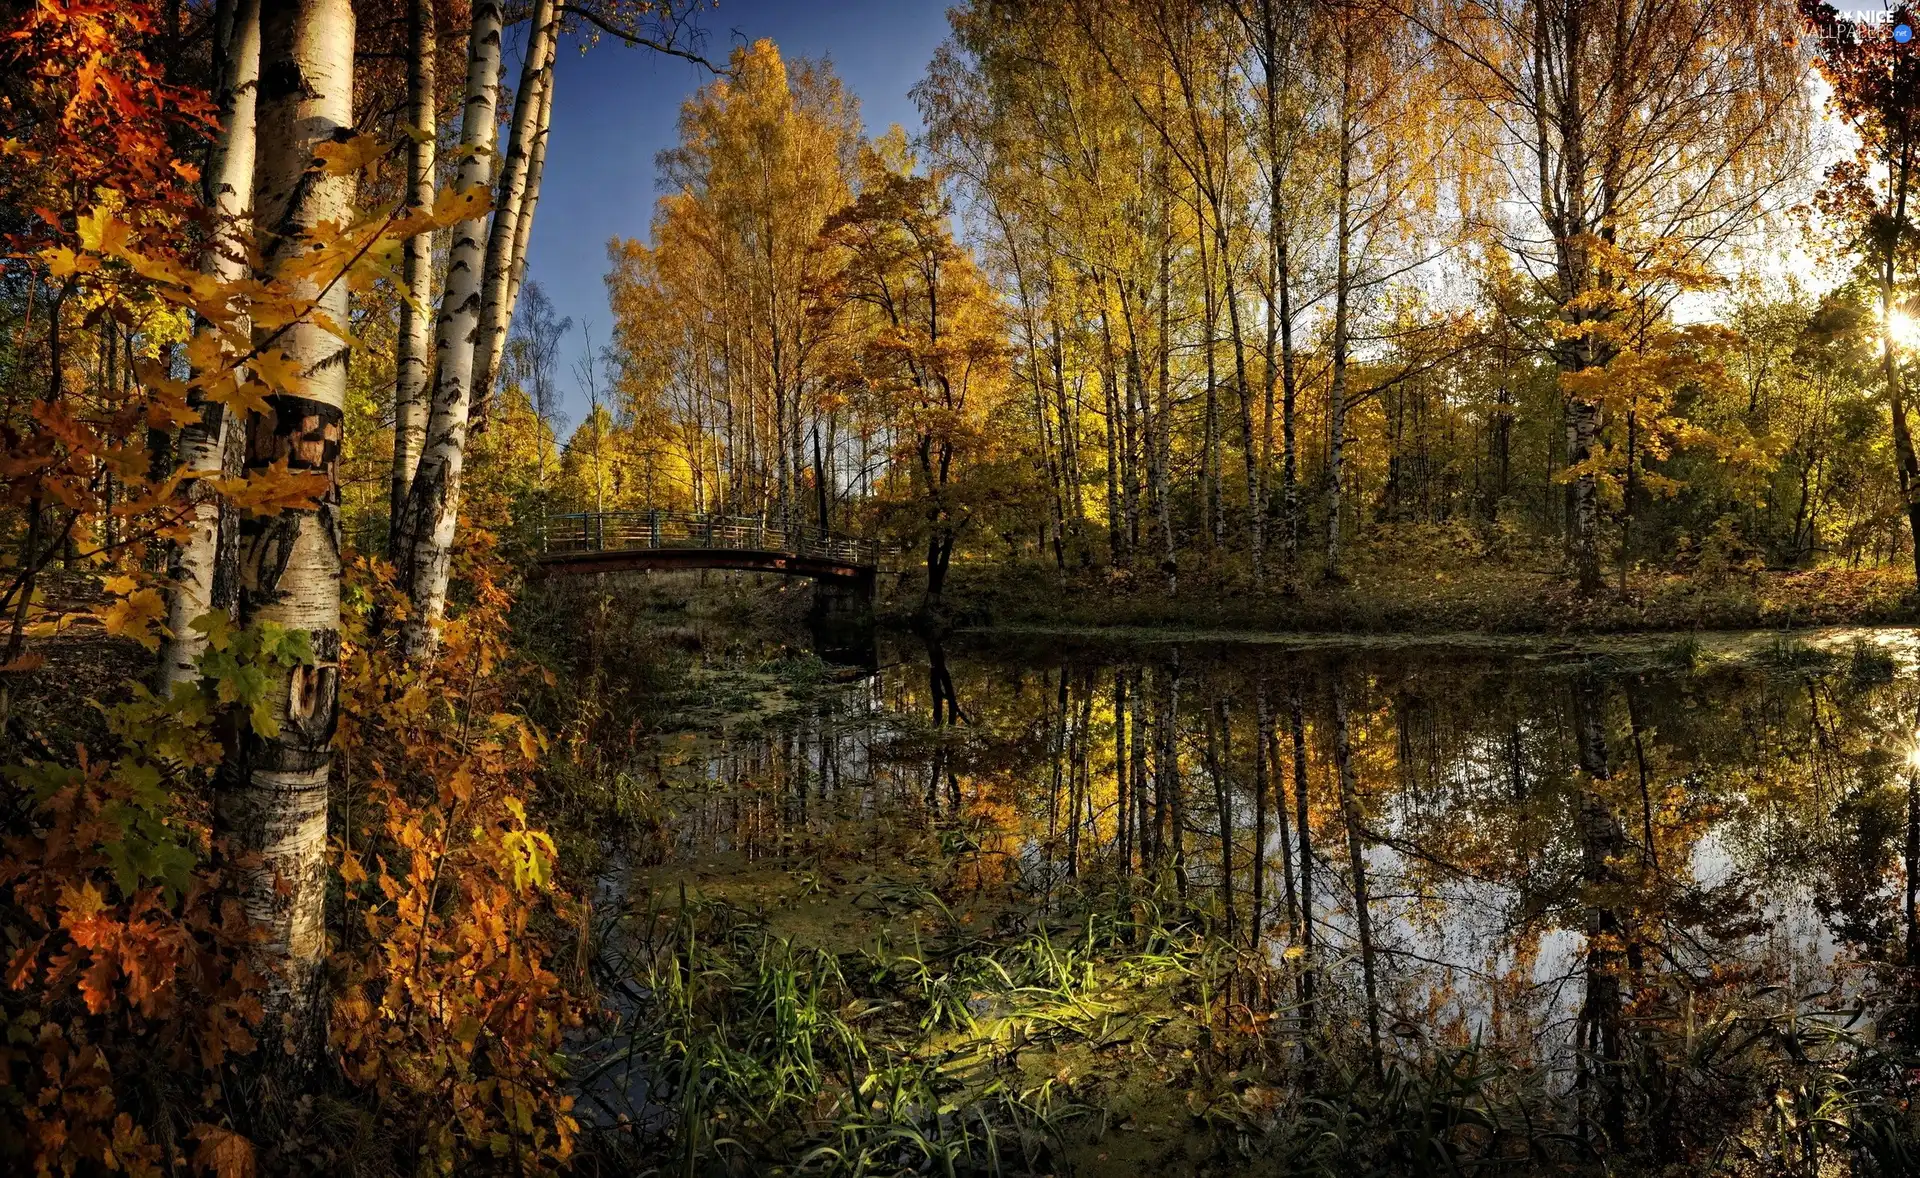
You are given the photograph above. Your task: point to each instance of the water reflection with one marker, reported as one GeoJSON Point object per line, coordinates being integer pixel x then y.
{"type": "Point", "coordinates": [1634, 883]}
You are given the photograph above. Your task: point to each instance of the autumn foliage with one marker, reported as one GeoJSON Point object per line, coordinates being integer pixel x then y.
{"type": "Point", "coordinates": [137, 1031]}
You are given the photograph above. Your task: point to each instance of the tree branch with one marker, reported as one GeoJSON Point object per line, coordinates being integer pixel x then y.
{"type": "Point", "coordinates": [631, 38]}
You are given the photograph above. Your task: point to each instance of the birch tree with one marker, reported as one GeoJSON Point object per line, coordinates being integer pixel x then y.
{"type": "Point", "coordinates": [424, 556]}
{"type": "Point", "coordinates": [206, 444]}
{"type": "Point", "coordinates": [272, 799]}
{"type": "Point", "coordinates": [517, 192]}
{"type": "Point", "coordinates": [413, 366]}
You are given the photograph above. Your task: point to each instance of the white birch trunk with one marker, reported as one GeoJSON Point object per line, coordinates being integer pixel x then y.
{"type": "Point", "coordinates": [413, 366]}
{"type": "Point", "coordinates": [425, 554]}
{"type": "Point", "coordinates": [496, 310]}
{"type": "Point", "coordinates": [272, 801]}
{"type": "Point", "coordinates": [536, 167]}
{"type": "Point", "coordinates": [230, 199]}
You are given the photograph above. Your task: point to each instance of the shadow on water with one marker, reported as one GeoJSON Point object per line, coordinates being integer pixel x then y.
{"type": "Point", "coordinates": [1225, 909]}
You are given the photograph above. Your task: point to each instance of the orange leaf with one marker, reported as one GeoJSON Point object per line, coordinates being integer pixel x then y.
{"type": "Point", "coordinates": [96, 983]}
{"type": "Point", "coordinates": [280, 371]}
{"type": "Point", "coordinates": [223, 1151]}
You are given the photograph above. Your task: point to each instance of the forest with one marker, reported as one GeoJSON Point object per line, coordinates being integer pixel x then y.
{"type": "Point", "coordinates": [1276, 587]}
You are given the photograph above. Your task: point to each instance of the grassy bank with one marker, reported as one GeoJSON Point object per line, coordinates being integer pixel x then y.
{"type": "Point", "coordinates": [1424, 596]}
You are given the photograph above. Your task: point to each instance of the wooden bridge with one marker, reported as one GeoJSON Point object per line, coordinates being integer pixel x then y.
{"type": "Point", "coordinates": [619, 541]}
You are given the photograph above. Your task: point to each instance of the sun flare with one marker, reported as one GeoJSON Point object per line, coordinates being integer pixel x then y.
{"type": "Point", "coordinates": [1904, 330]}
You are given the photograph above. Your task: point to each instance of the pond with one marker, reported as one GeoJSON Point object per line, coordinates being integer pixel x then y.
{"type": "Point", "coordinates": [1057, 905]}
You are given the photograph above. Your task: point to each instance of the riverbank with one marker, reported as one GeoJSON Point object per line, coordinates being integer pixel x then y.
{"type": "Point", "coordinates": [1483, 598]}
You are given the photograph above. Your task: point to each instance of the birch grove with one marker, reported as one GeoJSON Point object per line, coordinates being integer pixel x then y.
{"type": "Point", "coordinates": [424, 554]}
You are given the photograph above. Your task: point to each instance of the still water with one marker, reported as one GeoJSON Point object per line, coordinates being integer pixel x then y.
{"type": "Point", "coordinates": [1238, 908]}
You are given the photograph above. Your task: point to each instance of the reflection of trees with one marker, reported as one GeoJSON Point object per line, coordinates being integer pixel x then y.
{"type": "Point", "coordinates": [1581, 871]}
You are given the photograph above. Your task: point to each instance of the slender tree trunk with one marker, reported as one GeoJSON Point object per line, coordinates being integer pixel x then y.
{"type": "Point", "coordinates": [1118, 555]}
{"type": "Point", "coordinates": [510, 204]}
{"type": "Point", "coordinates": [1256, 480]}
{"type": "Point", "coordinates": [1170, 776]}
{"type": "Point", "coordinates": [1601, 841]}
{"type": "Point", "coordinates": [1276, 768]}
{"type": "Point", "coordinates": [1122, 785]}
{"type": "Point", "coordinates": [1210, 435]}
{"type": "Point", "coordinates": [530, 203]}
{"type": "Point", "coordinates": [1907, 465]}
{"type": "Point", "coordinates": [1219, 750]}
{"type": "Point", "coordinates": [1304, 826]}
{"type": "Point", "coordinates": [204, 443]}
{"type": "Point", "coordinates": [425, 559]}
{"type": "Point", "coordinates": [271, 807]}
{"type": "Point", "coordinates": [1281, 308]}
{"type": "Point", "coordinates": [1256, 915]}
{"type": "Point", "coordinates": [1337, 387]}
{"type": "Point", "coordinates": [1137, 760]}
{"type": "Point", "coordinates": [1357, 865]}
{"type": "Point", "coordinates": [413, 364]}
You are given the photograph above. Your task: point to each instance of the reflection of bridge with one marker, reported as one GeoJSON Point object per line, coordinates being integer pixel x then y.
{"type": "Point", "coordinates": [618, 541]}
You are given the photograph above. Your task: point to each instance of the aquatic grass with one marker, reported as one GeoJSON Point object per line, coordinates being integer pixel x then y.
{"type": "Point", "coordinates": [1788, 653]}
{"type": "Point", "coordinates": [759, 1053]}
{"type": "Point", "coordinates": [1869, 664]}
{"type": "Point", "coordinates": [1681, 653]}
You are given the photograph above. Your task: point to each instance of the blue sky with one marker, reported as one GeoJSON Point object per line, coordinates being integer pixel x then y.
{"type": "Point", "coordinates": [615, 107]}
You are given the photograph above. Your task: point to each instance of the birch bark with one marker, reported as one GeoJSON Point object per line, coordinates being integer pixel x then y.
{"type": "Point", "coordinates": [229, 196]}
{"type": "Point", "coordinates": [496, 309]}
{"type": "Point", "coordinates": [413, 366]}
{"type": "Point", "coordinates": [272, 800]}
{"type": "Point", "coordinates": [523, 231]}
{"type": "Point", "coordinates": [424, 556]}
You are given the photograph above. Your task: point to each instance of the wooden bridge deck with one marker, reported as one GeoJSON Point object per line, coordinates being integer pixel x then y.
{"type": "Point", "coordinates": [617, 541]}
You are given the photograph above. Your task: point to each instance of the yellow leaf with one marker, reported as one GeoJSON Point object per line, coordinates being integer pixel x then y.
{"type": "Point", "coordinates": [461, 204]}
{"type": "Point", "coordinates": [64, 263]}
{"type": "Point", "coordinates": [273, 490]}
{"type": "Point", "coordinates": [280, 371]}
{"type": "Point", "coordinates": [101, 232]}
{"type": "Point", "coordinates": [82, 901]}
{"type": "Point", "coordinates": [240, 396]}
{"type": "Point", "coordinates": [134, 616]}
{"type": "Point", "coordinates": [341, 159]}
{"type": "Point", "coordinates": [204, 352]}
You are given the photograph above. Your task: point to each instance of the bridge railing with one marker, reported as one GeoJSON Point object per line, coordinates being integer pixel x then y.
{"type": "Point", "coordinates": [615, 531]}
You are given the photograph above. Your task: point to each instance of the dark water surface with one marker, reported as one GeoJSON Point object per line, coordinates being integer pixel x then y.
{"type": "Point", "coordinates": [1239, 908]}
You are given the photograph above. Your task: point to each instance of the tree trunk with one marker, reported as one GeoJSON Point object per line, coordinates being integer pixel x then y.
{"type": "Point", "coordinates": [1357, 865]}
{"type": "Point", "coordinates": [1302, 822]}
{"type": "Point", "coordinates": [1601, 1030]}
{"type": "Point", "coordinates": [1220, 750]}
{"type": "Point", "coordinates": [272, 799]}
{"type": "Point", "coordinates": [1122, 792]}
{"type": "Point", "coordinates": [425, 558]}
{"type": "Point", "coordinates": [413, 369]}
{"type": "Point", "coordinates": [523, 232]}
{"type": "Point", "coordinates": [203, 444]}
{"type": "Point", "coordinates": [1337, 387]}
{"type": "Point", "coordinates": [496, 311]}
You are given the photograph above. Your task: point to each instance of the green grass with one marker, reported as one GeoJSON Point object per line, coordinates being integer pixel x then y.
{"type": "Point", "coordinates": [1119, 1040]}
